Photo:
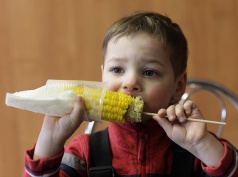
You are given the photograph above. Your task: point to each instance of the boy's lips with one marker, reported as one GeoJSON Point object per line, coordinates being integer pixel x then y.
{"type": "Point", "coordinates": [131, 94]}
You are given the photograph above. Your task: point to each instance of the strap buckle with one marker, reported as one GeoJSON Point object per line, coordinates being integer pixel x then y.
{"type": "Point", "coordinates": [102, 171]}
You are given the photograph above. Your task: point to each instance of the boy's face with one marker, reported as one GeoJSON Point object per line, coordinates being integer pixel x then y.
{"type": "Point", "coordinates": [139, 66]}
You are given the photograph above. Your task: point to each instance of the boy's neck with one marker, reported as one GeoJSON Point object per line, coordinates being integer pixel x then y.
{"type": "Point", "coordinates": [145, 121]}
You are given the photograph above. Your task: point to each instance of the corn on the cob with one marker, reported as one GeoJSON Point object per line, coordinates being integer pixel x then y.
{"type": "Point", "coordinates": [115, 107]}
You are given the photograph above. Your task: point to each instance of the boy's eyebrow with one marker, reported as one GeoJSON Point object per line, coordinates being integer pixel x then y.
{"type": "Point", "coordinates": [146, 60]}
{"type": "Point", "coordinates": [152, 60]}
{"type": "Point", "coordinates": [115, 59]}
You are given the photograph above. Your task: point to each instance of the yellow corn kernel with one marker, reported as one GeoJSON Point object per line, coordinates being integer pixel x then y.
{"type": "Point", "coordinates": [116, 107]}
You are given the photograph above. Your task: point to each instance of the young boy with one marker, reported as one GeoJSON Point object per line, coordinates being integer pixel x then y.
{"type": "Point", "coordinates": [145, 54]}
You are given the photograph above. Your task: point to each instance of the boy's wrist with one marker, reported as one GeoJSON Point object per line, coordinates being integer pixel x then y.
{"type": "Point", "coordinates": [209, 150]}
{"type": "Point", "coordinates": [48, 146]}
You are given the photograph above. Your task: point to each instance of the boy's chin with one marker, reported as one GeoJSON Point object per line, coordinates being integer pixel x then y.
{"type": "Point", "coordinates": [146, 119]}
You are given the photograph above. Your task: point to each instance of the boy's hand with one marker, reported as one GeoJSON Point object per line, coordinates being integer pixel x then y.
{"type": "Point", "coordinates": [192, 136]}
{"type": "Point", "coordinates": [181, 132]}
{"type": "Point", "coordinates": [55, 131]}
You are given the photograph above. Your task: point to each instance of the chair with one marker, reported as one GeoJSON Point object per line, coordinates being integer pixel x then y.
{"type": "Point", "coordinates": [197, 85]}
{"type": "Point", "coordinates": [217, 90]}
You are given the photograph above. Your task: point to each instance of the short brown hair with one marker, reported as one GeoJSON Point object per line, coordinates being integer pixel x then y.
{"type": "Point", "coordinates": [158, 26]}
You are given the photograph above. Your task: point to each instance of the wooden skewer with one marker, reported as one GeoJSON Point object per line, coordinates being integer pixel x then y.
{"type": "Point", "coordinates": [191, 119]}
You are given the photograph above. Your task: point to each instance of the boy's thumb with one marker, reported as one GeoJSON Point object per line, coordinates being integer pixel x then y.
{"type": "Point", "coordinates": [78, 113]}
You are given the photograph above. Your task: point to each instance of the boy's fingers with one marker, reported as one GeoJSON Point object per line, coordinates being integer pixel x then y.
{"type": "Point", "coordinates": [179, 110]}
{"type": "Point", "coordinates": [78, 110]}
{"type": "Point", "coordinates": [171, 113]}
{"type": "Point", "coordinates": [164, 123]}
{"type": "Point", "coordinates": [188, 106]}
{"type": "Point", "coordinates": [191, 108]}
{"type": "Point", "coordinates": [162, 113]}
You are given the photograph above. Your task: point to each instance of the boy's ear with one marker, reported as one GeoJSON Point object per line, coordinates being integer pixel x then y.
{"type": "Point", "coordinates": [181, 82]}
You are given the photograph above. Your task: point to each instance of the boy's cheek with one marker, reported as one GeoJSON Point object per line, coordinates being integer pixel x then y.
{"type": "Point", "coordinates": [112, 86]}
{"type": "Point", "coordinates": [156, 100]}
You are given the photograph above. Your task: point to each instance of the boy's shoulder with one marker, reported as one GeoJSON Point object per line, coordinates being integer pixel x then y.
{"type": "Point", "coordinates": [79, 143]}
{"type": "Point", "coordinates": [83, 138]}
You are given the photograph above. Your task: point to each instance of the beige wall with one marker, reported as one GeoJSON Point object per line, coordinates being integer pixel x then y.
{"type": "Point", "coordinates": [60, 39]}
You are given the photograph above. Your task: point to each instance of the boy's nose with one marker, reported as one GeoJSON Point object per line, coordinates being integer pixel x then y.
{"type": "Point", "coordinates": [131, 84]}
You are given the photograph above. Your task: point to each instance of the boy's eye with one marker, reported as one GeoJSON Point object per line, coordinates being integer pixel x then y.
{"type": "Point", "coordinates": [117, 70]}
{"type": "Point", "coordinates": [150, 73]}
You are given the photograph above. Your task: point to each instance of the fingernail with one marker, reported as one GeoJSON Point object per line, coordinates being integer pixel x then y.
{"type": "Point", "coordinates": [171, 117]}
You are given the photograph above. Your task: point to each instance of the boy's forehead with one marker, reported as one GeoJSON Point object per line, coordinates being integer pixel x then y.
{"type": "Point", "coordinates": [140, 43]}
{"type": "Point", "coordinates": [145, 50]}
{"type": "Point", "coordinates": [134, 36]}
{"type": "Point", "coordinates": [135, 40]}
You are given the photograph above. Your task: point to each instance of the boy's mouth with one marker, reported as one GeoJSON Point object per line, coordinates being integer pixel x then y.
{"type": "Point", "coordinates": [131, 94]}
